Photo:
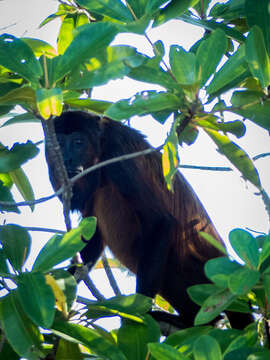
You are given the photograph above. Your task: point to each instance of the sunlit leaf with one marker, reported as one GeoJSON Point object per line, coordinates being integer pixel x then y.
{"type": "Point", "coordinates": [68, 350]}
{"type": "Point", "coordinates": [212, 25]}
{"type": "Point", "coordinates": [142, 104]}
{"type": "Point", "coordinates": [173, 9]}
{"type": "Point", "coordinates": [60, 298]}
{"type": "Point", "coordinates": [67, 284]}
{"type": "Point", "coordinates": [95, 106]}
{"type": "Point", "coordinates": [24, 96]}
{"type": "Point", "coordinates": [112, 63]}
{"type": "Point", "coordinates": [5, 195]}
{"type": "Point", "coordinates": [133, 337]}
{"type": "Point", "coordinates": [17, 56]}
{"type": "Point", "coordinates": [170, 160]}
{"type": "Point", "coordinates": [16, 243]}
{"type": "Point", "coordinates": [165, 352]}
{"type": "Point", "coordinates": [22, 183]}
{"type": "Point", "coordinates": [40, 47]}
{"type": "Point", "coordinates": [237, 156]}
{"type": "Point", "coordinates": [112, 8]}
{"type": "Point", "coordinates": [89, 338]}
{"type": "Point", "coordinates": [49, 102]}
{"type": "Point", "coordinates": [89, 39]}
{"type": "Point", "coordinates": [60, 248]}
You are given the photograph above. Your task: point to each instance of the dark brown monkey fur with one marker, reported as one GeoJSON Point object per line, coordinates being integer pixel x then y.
{"type": "Point", "coordinates": [152, 231]}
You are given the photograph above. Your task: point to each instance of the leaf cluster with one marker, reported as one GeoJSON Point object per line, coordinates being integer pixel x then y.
{"type": "Point", "coordinates": [226, 71]}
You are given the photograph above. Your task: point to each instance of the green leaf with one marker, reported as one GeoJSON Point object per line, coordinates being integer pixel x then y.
{"type": "Point", "coordinates": [120, 305]}
{"type": "Point", "coordinates": [184, 339]}
{"type": "Point", "coordinates": [213, 241]}
{"type": "Point", "coordinates": [165, 352]}
{"type": "Point", "coordinates": [251, 105]}
{"type": "Point", "coordinates": [257, 56]}
{"type": "Point", "coordinates": [219, 270]}
{"type": "Point", "coordinates": [213, 306]}
{"type": "Point", "coordinates": [40, 47]}
{"type": "Point", "coordinates": [36, 298]}
{"type": "Point", "coordinates": [16, 243]}
{"type": "Point", "coordinates": [266, 284]}
{"type": "Point", "coordinates": [22, 183]}
{"type": "Point", "coordinates": [7, 352]}
{"type": "Point", "coordinates": [60, 248]}
{"type": "Point", "coordinates": [151, 72]}
{"type": "Point", "coordinates": [24, 96]}
{"type": "Point", "coordinates": [173, 9]}
{"type": "Point", "coordinates": [68, 350]}
{"type": "Point", "coordinates": [245, 247]}
{"type": "Point", "coordinates": [19, 330]}
{"type": "Point", "coordinates": [183, 65]}
{"type": "Point", "coordinates": [95, 106]}
{"type": "Point", "coordinates": [67, 284]}
{"type": "Point", "coordinates": [66, 33]}
{"type": "Point", "coordinates": [49, 102]}
{"type": "Point", "coordinates": [237, 156]}
{"type": "Point", "coordinates": [21, 118]}
{"type": "Point", "coordinates": [20, 153]}
{"type": "Point", "coordinates": [259, 15]}
{"type": "Point", "coordinates": [199, 293]}
{"type": "Point", "coordinates": [90, 39]}
{"type": "Point", "coordinates": [170, 159]}
{"type": "Point", "coordinates": [133, 337]}
{"type": "Point", "coordinates": [207, 348]}
{"type": "Point", "coordinates": [18, 57]}
{"type": "Point", "coordinates": [89, 338]}
{"type": "Point", "coordinates": [224, 338]}
{"type": "Point", "coordinates": [243, 280]}
{"type": "Point", "coordinates": [114, 9]}
{"type": "Point", "coordinates": [112, 63]}
{"type": "Point", "coordinates": [3, 263]}
{"type": "Point", "coordinates": [212, 25]}
{"type": "Point", "coordinates": [142, 104]}
{"type": "Point", "coordinates": [5, 195]}
{"type": "Point", "coordinates": [209, 54]}
{"type": "Point", "coordinates": [234, 67]}
{"type": "Point", "coordinates": [265, 252]}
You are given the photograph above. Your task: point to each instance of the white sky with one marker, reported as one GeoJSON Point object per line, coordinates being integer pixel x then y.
{"type": "Point", "coordinates": [229, 200]}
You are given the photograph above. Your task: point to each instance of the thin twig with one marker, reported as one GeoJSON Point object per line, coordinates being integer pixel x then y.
{"type": "Point", "coordinates": [109, 274]}
{"type": "Point", "coordinates": [44, 230]}
{"type": "Point", "coordinates": [111, 161]}
{"type": "Point", "coordinates": [82, 273]}
{"type": "Point", "coordinates": [83, 173]}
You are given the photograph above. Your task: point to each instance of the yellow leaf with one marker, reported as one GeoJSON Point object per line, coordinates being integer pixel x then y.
{"type": "Point", "coordinates": [60, 297]}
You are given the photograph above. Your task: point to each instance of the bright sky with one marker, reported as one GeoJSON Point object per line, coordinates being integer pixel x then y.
{"type": "Point", "coordinates": [229, 200]}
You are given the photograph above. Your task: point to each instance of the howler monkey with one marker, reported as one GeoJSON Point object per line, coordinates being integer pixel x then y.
{"type": "Point", "coordinates": [151, 230]}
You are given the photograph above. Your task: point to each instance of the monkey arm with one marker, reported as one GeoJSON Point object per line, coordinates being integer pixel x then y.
{"type": "Point", "coordinates": [154, 255]}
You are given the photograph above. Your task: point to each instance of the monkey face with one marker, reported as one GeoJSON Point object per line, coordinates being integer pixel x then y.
{"type": "Point", "coordinates": [74, 149]}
